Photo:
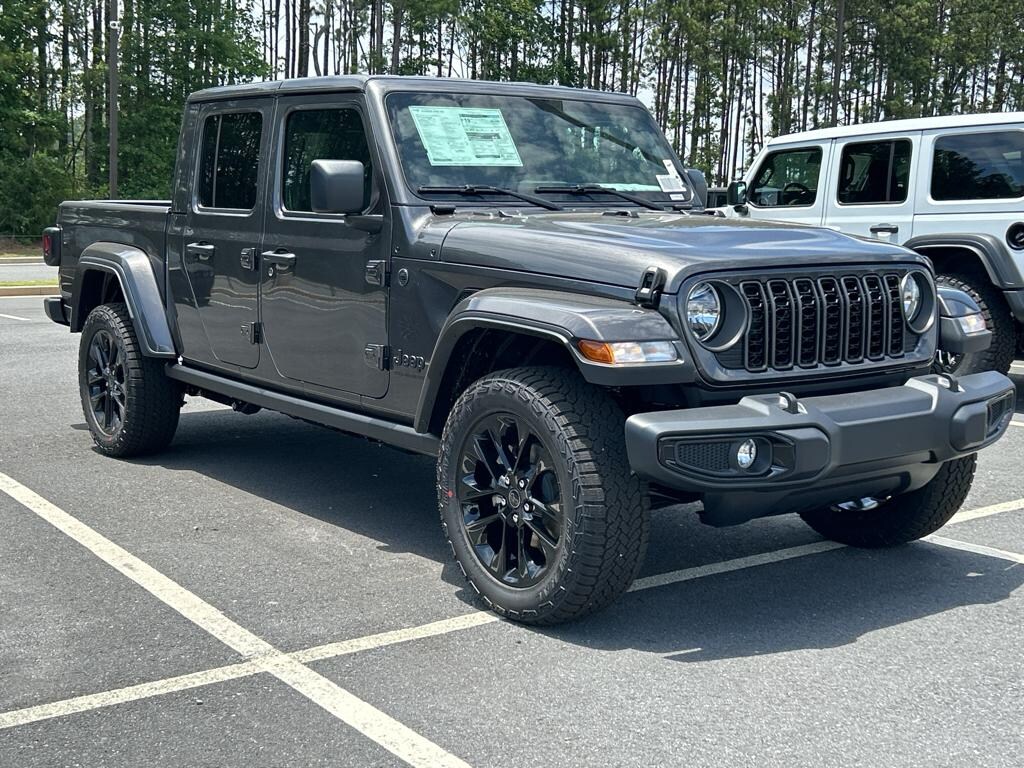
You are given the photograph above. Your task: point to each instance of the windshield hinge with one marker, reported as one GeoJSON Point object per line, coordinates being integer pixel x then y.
{"type": "Point", "coordinates": [648, 294]}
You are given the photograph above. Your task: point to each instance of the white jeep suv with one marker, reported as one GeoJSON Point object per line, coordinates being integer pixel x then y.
{"type": "Point", "coordinates": [949, 187]}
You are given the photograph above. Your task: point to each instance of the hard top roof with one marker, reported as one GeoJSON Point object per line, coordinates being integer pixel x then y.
{"type": "Point", "coordinates": [385, 83]}
{"type": "Point", "coordinates": [901, 126]}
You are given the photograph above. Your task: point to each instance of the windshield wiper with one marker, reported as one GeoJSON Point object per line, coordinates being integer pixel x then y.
{"type": "Point", "coordinates": [486, 189]}
{"type": "Point", "coordinates": [589, 189]}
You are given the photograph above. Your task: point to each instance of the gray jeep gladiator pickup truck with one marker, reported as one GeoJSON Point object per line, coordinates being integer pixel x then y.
{"type": "Point", "coordinates": [520, 280]}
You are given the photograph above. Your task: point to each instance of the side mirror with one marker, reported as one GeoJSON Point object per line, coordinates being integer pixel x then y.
{"type": "Point", "coordinates": [337, 186]}
{"type": "Point", "coordinates": [736, 194]}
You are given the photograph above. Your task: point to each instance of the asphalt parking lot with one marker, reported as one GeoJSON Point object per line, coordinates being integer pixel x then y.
{"type": "Point", "coordinates": [270, 593]}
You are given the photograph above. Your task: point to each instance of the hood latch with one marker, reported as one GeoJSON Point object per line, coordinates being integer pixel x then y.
{"type": "Point", "coordinates": [652, 281]}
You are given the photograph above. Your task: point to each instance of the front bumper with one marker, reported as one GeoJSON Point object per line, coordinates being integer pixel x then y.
{"type": "Point", "coordinates": [820, 450]}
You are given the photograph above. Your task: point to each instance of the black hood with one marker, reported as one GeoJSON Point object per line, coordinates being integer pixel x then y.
{"type": "Point", "coordinates": [616, 250]}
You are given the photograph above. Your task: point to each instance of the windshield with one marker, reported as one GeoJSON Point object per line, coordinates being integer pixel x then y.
{"type": "Point", "coordinates": [522, 143]}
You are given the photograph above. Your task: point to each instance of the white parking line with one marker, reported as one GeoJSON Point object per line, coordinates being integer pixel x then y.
{"type": "Point", "coordinates": [688, 574]}
{"type": "Point", "coordinates": [993, 509]}
{"type": "Point", "coordinates": [443, 627]}
{"type": "Point", "coordinates": [977, 549]}
{"type": "Point", "coordinates": [131, 693]}
{"type": "Point", "coordinates": [1016, 423]}
{"type": "Point", "coordinates": [395, 737]}
{"type": "Point", "coordinates": [240, 670]}
{"type": "Point", "coordinates": [15, 317]}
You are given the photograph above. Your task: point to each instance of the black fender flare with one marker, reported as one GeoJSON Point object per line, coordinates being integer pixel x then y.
{"type": "Point", "coordinates": [133, 271]}
{"type": "Point", "coordinates": [563, 318]}
{"type": "Point", "coordinates": [993, 254]}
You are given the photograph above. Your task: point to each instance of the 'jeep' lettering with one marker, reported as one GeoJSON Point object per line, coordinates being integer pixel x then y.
{"type": "Point", "coordinates": [404, 360]}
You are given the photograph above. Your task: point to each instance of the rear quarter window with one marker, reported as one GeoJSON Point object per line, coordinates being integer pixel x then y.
{"type": "Point", "coordinates": [978, 166]}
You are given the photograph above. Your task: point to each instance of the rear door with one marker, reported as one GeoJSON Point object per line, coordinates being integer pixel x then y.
{"type": "Point", "coordinates": [323, 294]}
{"type": "Point", "coordinates": [224, 225]}
{"type": "Point", "coordinates": [972, 181]}
{"type": "Point", "coordinates": [871, 188]}
{"type": "Point", "coordinates": [786, 186]}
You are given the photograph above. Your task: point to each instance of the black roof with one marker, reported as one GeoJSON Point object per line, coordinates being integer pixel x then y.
{"type": "Point", "coordinates": [385, 83]}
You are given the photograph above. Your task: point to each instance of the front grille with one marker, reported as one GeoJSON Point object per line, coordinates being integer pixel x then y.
{"type": "Point", "coordinates": [804, 322]}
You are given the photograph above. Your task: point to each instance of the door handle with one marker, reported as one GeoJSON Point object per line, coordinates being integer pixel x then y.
{"type": "Point", "coordinates": [201, 250]}
{"type": "Point", "coordinates": [889, 229]}
{"type": "Point", "coordinates": [282, 259]}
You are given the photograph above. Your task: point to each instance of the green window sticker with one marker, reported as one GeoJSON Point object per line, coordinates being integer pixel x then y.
{"type": "Point", "coordinates": [465, 136]}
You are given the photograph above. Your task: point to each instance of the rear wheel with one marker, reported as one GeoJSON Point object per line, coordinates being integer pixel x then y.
{"type": "Point", "coordinates": [130, 405]}
{"type": "Point", "coordinates": [998, 319]}
{"type": "Point", "coordinates": [536, 498]}
{"type": "Point", "coordinates": [903, 518]}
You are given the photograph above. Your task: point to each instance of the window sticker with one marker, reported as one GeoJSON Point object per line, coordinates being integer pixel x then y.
{"type": "Point", "coordinates": [624, 187]}
{"type": "Point", "coordinates": [465, 136]}
{"type": "Point", "coordinates": [670, 183]}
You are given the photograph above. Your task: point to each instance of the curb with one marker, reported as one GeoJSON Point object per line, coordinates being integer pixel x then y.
{"type": "Point", "coordinates": [22, 260]}
{"type": "Point", "coordinates": [29, 290]}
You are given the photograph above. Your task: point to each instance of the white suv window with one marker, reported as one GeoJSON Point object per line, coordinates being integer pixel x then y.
{"type": "Point", "coordinates": [874, 172]}
{"type": "Point", "coordinates": [788, 177]}
{"type": "Point", "coordinates": [979, 166]}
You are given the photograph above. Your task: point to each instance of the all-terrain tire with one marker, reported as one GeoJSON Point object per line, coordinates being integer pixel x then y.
{"type": "Point", "coordinates": [605, 508]}
{"type": "Point", "coordinates": [151, 401]}
{"type": "Point", "coordinates": [998, 319]}
{"type": "Point", "coordinates": [903, 518]}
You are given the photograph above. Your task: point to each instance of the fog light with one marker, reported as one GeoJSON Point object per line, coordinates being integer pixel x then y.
{"type": "Point", "coordinates": [746, 454]}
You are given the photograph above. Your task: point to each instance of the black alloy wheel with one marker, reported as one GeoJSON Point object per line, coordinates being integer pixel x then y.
{"type": "Point", "coordinates": [130, 405]}
{"type": "Point", "coordinates": [510, 500]}
{"type": "Point", "coordinates": [106, 381]}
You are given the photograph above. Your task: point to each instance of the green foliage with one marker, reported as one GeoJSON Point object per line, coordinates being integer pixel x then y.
{"type": "Point", "coordinates": [53, 133]}
{"type": "Point", "coordinates": [721, 76]}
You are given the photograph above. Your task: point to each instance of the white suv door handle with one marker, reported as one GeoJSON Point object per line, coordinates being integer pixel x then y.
{"type": "Point", "coordinates": [888, 229]}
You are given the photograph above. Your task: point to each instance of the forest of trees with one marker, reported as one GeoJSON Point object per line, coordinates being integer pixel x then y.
{"type": "Point", "coordinates": [719, 76]}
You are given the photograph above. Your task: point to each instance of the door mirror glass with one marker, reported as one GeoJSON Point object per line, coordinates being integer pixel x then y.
{"type": "Point", "coordinates": [337, 186]}
{"type": "Point", "coordinates": [736, 194]}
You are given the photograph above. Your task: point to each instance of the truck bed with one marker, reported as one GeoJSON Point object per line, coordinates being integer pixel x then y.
{"type": "Point", "coordinates": [142, 223]}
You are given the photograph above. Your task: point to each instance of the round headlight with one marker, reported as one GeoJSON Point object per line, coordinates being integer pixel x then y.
{"type": "Point", "coordinates": [703, 311]}
{"type": "Point", "coordinates": [910, 292]}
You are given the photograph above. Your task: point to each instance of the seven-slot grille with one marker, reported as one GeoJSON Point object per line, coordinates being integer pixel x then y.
{"type": "Point", "coordinates": [810, 321]}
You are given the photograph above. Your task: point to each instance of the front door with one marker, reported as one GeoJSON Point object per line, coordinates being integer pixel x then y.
{"type": "Point", "coordinates": [786, 184]}
{"type": "Point", "coordinates": [324, 313]}
{"type": "Point", "coordinates": [871, 190]}
{"type": "Point", "coordinates": [224, 224]}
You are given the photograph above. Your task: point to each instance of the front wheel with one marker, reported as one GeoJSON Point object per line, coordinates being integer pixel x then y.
{"type": "Point", "coordinates": [536, 497]}
{"type": "Point", "coordinates": [903, 518]}
{"type": "Point", "coordinates": [130, 406]}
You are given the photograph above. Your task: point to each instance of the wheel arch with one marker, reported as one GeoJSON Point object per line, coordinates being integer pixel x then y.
{"type": "Point", "coordinates": [948, 251]}
{"type": "Point", "coordinates": [505, 327]}
{"type": "Point", "coordinates": [112, 272]}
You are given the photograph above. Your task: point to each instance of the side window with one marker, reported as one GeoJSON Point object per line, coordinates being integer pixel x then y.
{"type": "Point", "coordinates": [978, 166]}
{"type": "Point", "coordinates": [874, 172]}
{"type": "Point", "coordinates": [787, 178]}
{"type": "Point", "coordinates": [229, 160]}
{"type": "Point", "coordinates": [321, 134]}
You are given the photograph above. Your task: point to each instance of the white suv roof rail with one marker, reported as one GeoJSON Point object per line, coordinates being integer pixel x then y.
{"type": "Point", "coordinates": [895, 126]}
